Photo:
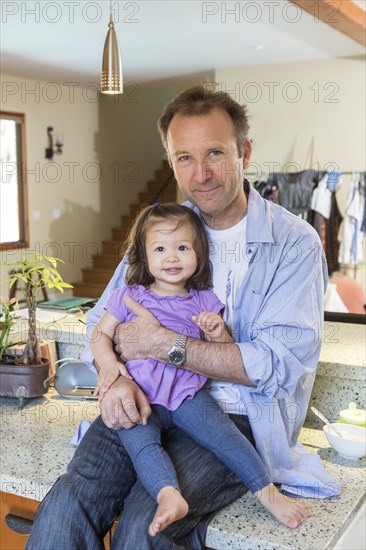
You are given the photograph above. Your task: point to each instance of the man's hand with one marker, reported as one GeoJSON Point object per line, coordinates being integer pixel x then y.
{"type": "Point", "coordinates": [124, 405]}
{"type": "Point", "coordinates": [144, 336]}
{"type": "Point", "coordinates": [108, 374]}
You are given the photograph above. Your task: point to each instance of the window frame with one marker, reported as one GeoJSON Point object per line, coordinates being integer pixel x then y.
{"type": "Point", "coordinates": [23, 241]}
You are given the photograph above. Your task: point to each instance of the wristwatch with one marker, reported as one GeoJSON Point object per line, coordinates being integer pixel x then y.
{"type": "Point", "coordinates": [177, 354]}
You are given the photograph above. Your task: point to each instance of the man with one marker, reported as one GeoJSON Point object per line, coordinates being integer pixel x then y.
{"type": "Point", "coordinates": [269, 271]}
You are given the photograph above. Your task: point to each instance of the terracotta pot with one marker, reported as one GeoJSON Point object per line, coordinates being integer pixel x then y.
{"type": "Point", "coordinates": [22, 380]}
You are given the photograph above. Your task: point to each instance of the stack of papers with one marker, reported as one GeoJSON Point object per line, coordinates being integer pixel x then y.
{"type": "Point", "coordinates": [42, 316]}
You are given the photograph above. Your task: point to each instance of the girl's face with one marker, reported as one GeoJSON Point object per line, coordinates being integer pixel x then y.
{"type": "Point", "coordinates": [170, 255]}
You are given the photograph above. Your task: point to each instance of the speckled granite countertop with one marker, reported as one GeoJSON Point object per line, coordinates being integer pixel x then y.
{"type": "Point", "coordinates": [341, 372]}
{"type": "Point", "coordinates": [37, 443]}
{"type": "Point", "coordinates": [246, 525]}
{"type": "Point", "coordinates": [343, 349]}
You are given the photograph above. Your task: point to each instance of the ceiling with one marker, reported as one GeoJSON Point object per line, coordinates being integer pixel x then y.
{"type": "Point", "coordinates": [63, 41]}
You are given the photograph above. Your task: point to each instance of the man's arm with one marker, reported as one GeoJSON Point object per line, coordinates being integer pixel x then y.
{"type": "Point", "coordinates": [145, 337]}
{"type": "Point", "coordinates": [216, 360]}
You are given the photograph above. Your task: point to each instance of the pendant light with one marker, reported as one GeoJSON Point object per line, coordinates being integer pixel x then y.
{"type": "Point", "coordinates": [112, 82]}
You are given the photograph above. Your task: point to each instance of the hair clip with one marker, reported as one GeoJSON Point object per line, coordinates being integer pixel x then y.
{"type": "Point", "coordinates": [156, 204]}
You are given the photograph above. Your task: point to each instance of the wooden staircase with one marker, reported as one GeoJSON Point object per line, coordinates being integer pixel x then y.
{"type": "Point", "coordinates": [96, 278]}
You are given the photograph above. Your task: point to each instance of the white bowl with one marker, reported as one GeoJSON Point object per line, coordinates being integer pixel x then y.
{"type": "Point", "coordinates": [352, 444]}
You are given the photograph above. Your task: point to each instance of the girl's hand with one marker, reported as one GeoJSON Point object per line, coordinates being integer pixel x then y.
{"type": "Point", "coordinates": [108, 374]}
{"type": "Point", "coordinates": [213, 326]}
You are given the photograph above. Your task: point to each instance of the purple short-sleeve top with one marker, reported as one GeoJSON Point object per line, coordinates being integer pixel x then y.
{"type": "Point", "coordinates": [164, 384]}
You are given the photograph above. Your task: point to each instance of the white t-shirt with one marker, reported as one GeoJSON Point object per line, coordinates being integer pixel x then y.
{"type": "Point", "coordinates": [229, 260]}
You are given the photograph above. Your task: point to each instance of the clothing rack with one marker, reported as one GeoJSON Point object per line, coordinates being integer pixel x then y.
{"type": "Point", "coordinates": [347, 173]}
{"type": "Point", "coordinates": [353, 172]}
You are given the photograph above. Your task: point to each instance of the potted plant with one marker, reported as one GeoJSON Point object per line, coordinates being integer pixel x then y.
{"type": "Point", "coordinates": [35, 272]}
{"type": "Point", "coordinates": [6, 322]}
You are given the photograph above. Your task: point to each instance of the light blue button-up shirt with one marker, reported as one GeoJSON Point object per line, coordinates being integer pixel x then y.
{"type": "Point", "coordinates": [278, 323]}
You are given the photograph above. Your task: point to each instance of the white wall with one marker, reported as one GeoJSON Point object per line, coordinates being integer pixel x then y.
{"type": "Point", "coordinates": [69, 183]}
{"type": "Point", "coordinates": [294, 104]}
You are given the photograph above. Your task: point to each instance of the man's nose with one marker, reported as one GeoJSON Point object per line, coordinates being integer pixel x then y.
{"type": "Point", "coordinates": [203, 172]}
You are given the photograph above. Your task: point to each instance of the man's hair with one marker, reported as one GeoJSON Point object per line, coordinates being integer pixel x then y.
{"type": "Point", "coordinates": [199, 101]}
{"type": "Point", "coordinates": [138, 271]}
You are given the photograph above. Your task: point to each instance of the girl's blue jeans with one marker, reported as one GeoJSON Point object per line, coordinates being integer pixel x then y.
{"type": "Point", "coordinates": [203, 420]}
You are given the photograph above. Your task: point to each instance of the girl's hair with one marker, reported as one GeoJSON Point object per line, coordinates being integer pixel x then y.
{"type": "Point", "coordinates": [138, 271]}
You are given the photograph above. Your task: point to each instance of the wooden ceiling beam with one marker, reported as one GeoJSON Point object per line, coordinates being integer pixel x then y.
{"type": "Point", "coordinates": [343, 15]}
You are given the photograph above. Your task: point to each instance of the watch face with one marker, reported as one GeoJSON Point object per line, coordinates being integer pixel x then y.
{"type": "Point", "coordinates": [176, 357]}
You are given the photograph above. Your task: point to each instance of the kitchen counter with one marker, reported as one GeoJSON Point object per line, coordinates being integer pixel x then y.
{"type": "Point", "coordinates": [246, 525]}
{"type": "Point", "coordinates": [341, 372]}
{"type": "Point", "coordinates": [37, 443]}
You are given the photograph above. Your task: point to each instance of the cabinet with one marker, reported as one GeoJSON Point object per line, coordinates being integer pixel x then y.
{"type": "Point", "coordinates": [16, 514]}
{"type": "Point", "coordinates": [12, 507]}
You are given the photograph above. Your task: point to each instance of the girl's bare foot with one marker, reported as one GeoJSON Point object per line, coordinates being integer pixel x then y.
{"type": "Point", "coordinates": [287, 510]}
{"type": "Point", "coordinates": [172, 507]}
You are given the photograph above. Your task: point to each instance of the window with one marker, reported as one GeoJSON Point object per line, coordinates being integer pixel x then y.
{"type": "Point", "coordinates": [13, 190]}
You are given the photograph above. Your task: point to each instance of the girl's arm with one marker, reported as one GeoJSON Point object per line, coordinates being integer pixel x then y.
{"type": "Point", "coordinates": [213, 327]}
{"type": "Point", "coordinates": [110, 368]}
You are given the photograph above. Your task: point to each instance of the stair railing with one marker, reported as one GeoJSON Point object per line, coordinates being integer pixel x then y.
{"type": "Point", "coordinates": [169, 180]}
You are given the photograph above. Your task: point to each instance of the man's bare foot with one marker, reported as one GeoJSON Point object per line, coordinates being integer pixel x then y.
{"type": "Point", "coordinates": [287, 510]}
{"type": "Point", "coordinates": [172, 507]}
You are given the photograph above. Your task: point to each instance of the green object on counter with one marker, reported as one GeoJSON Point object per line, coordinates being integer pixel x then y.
{"type": "Point", "coordinates": [353, 415]}
{"type": "Point", "coordinates": [69, 302]}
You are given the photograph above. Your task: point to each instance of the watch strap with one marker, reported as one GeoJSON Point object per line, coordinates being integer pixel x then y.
{"type": "Point", "coordinates": [181, 341]}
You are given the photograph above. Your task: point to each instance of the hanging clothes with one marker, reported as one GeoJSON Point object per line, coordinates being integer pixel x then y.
{"type": "Point", "coordinates": [332, 225]}
{"type": "Point", "coordinates": [296, 189]}
{"type": "Point", "coordinates": [267, 190]}
{"type": "Point", "coordinates": [321, 198]}
{"type": "Point", "coordinates": [363, 224]}
{"type": "Point", "coordinates": [350, 251]}
{"type": "Point", "coordinates": [326, 218]}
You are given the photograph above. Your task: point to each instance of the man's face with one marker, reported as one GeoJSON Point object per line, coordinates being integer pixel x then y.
{"type": "Point", "coordinates": [204, 154]}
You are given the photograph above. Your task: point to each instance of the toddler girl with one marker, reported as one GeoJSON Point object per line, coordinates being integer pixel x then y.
{"type": "Point", "coordinates": [169, 274]}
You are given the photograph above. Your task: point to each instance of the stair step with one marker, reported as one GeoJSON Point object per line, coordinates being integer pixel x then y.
{"type": "Point", "coordinates": [119, 234]}
{"type": "Point", "coordinates": [115, 248]}
{"type": "Point", "coordinates": [146, 198]}
{"type": "Point", "coordinates": [96, 278]}
{"type": "Point", "coordinates": [153, 186]}
{"type": "Point", "coordinates": [161, 175]}
{"type": "Point", "coordinates": [97, 275]}
{"type": "Point", "coordinates": [107, 261]}
{"type": "Point", "coordinates": [154, 189]}
{"type": "Point", "coordinates": [168, 195]}
{"type": "Point", "coordinates": [89, 290]}
{"type": "Point", "coordinates": [135, 209]}
{"type": "Point", "coordinates": [126, 222]}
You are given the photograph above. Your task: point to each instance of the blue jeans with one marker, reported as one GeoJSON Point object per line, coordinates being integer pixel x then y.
{"type": "Point", "coordinates": [100, 481]}
{"type": "Point", "coordinates": [203, 419]}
